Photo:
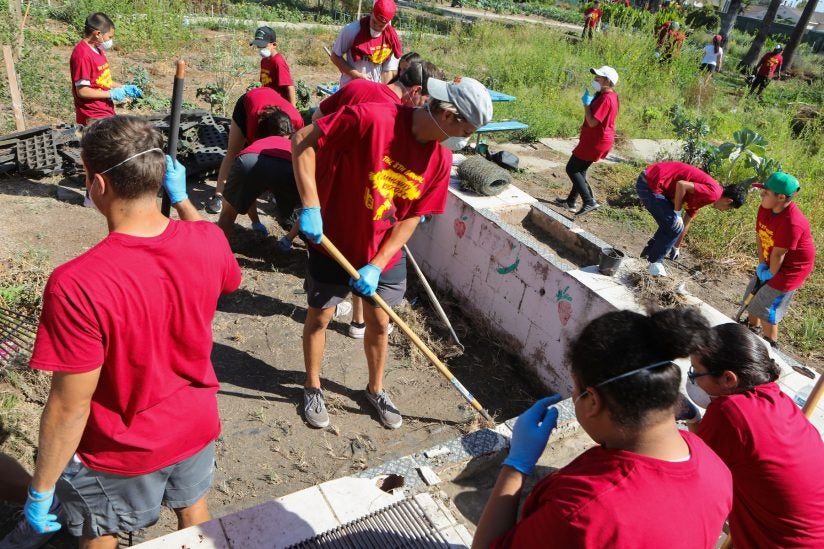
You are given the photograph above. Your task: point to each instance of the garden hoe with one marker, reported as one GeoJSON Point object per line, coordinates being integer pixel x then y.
{"type": "Point", "coordinates": [343, 262]}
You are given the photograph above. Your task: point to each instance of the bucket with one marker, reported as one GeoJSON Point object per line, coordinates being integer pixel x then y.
{"type": "Point", "coordinates": [610, 261]}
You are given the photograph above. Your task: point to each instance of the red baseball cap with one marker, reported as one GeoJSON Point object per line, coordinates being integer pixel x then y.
{"type": "Point", "coordinates": [384, 8]}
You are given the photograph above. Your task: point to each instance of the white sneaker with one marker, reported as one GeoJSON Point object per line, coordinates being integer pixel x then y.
{"type": "Point", "coordinates": [657, 269]}
{"type": "Point", "coordinates": [358, 329]}
{"type": "Point", "coordinates": [342, 309]}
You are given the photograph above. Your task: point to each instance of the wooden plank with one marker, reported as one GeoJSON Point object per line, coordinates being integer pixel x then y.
{"type": "Point", "coordinates": [15, 10]}
{"type": "Point", "coordinates": [14, 89]}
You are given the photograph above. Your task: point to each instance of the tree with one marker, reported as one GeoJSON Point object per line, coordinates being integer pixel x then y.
{"type": "Point", "coordinates": [728, 19]}
{"type": "Point", "coordinates": [755, 48]}
{"type": "Point", "coordinates": [798, 32]}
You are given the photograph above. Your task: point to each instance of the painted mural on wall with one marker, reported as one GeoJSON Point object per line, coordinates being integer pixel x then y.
{"type": "Point", "coordinates": [564, 304]}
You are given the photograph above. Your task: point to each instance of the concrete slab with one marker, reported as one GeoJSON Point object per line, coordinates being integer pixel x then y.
{"type": "Point", "coordinates": [204, 536]}
{"type": "Point", "coordinates": [652, 150]}
{"type": "Point", "coordinates": [351, 498]}
{"type": "Point", "coordinates": [527, 159]}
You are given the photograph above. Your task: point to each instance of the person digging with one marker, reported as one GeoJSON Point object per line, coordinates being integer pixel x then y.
{"type": "Point", "coordinates": [786, 254]}
{"type": "Point", "coordinates": [674, 192]}
{"type": "Point", "coordinates": [366, 174]}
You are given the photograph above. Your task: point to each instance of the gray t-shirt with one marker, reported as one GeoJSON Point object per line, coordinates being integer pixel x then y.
{"type": "Point", "coordinates": [342, 45]}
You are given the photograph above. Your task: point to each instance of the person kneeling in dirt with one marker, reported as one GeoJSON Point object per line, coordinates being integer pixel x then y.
{"type": "Point", "coordinates": [786, 254]}
{"type": "Point", "coordinates": [773, 451]}
{"type": "Point", "coordinates": [373, 170]}
{"type": "Point", "coordinates": [264, 165]}
{"type": "Point", "coordinates": [131, 416]}
{"type": "Point", "coordinates": [631, 488]}
{"type": "Point", "coordinates": [673, 192]}
{"type": "Point", "coordinates": [242, 133]}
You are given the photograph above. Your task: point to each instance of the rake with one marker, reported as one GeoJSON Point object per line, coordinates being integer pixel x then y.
{"type": "Point", "coordinates": [17, 334]}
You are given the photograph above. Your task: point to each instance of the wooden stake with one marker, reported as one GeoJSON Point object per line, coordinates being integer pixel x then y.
{"type": "Point", "coordinates": [814, 397]}
{"type": "Point", "coordinates": [14, 90]}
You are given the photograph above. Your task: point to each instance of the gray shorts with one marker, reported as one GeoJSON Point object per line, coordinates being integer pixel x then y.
{"type": "Point", "coordinates": [769, 304]}
{"type": "Point", "coordinates": [327, 284]}
{"type": "Point", "coordinates": [97, 503]}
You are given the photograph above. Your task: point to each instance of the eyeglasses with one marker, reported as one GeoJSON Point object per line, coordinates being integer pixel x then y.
{"type": "Point", "coordinates": [692, 376]}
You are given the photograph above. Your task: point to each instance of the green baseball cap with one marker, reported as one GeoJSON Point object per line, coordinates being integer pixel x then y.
{"type": "Point", "coordinates": [780, 183]}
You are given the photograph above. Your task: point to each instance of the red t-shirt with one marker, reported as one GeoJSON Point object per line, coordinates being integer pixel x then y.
{"type": "Point", "coordinates": [776, 456]}
{"type": "Point", "coordinates": [619, 499]}
{"type": "Point", "coordinates": [372, 173]}
{"type": "Point", "coordinates": [254, 101]}
{"type": "Point", "coordinates": [769, 64]}
{"type": "Point", "coordinates": [592, 22]}
{"type": "Point", "coordinates": [275, 146]}
{"type": "Point", "coordinates": [89, 65]}
{"type": "Point", "coordinates": [663, 177]}
{"type": "Point", "coordinates": [791, 230]}
{"type": "Point", "coordinates": [596, 142]}
{"type": "Point", "coordinates": [356, 92]}
{"type": "Point", "coordinates": [141, 309]}
{"type": "Point", "coordinates": [275, 74]}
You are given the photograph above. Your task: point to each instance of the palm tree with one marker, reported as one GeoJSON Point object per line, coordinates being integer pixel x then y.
{"type": "Point", "coordinates": [755, 48]}
{"type": "Point", "coordinates": [728, 19]}
{"type": "Point", "coordinates": [798, 32]}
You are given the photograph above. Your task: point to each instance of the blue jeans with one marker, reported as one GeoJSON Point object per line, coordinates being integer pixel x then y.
{"type": "Point", "coordinates": [663, 212]}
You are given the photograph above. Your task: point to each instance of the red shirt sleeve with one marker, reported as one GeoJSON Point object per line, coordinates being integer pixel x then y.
{"type": "Point", "coordinates": [82, 67]}
{"type": "Point", "coordinates": [68, 337]}
{"type": "Point", "coordinates": [284, 75]}
{"type": "Point", "coordinates": [601, 107]}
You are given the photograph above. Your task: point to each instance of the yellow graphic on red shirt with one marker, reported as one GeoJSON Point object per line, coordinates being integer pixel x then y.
{"type": "Point", "coordinates": [380, 53]}
{"type": "Point", "coordinates": [765, 236]}
{"type": "Point", "coordinates": [265, 78]}
{"type": "Point", "coordinates": [395, 181]}
{"type": "Point", "coordinates": [104, 80]}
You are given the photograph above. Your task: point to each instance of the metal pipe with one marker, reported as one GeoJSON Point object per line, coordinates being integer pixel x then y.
{"type": "Point", "coordinates": [174, 126]}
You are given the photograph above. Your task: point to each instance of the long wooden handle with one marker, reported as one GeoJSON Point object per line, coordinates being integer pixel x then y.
{"type": "Point", "coordinates": [351, 271]}
{"type": "Point", "coordinates": [814, 398]}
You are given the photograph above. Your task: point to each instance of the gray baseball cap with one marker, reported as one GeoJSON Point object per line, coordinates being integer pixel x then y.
{"type": "Point", "coordinates": [467, 94]}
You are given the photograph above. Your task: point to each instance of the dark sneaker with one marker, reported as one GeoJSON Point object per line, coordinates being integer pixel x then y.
{"type": "Point", "coordinates": [215, 203]}
{"type": "Point", "coordinates": [586, 208]}
{"type": "Point", "coordinates": [755, 329]}
{"type": "Point", "coordinates": [389, 415]}
{"type": "Point", "coordinates": [24, 537]}
{"type": "Point", "coordinates": [563, 203]}
{"type": "Point", "coordinates": [645, 251]}
{"type": "Point", "coordinates": [260, 228]}
{"type": "Point", "coordinates": [773, 344]}
{"type": "Point", "coordinates": [314, 409]}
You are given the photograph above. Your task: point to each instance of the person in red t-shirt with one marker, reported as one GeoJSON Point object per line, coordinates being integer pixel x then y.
{"type": "Point", "coordinates": [595, 142]}
{"type": "Point", "coordinates": [373, 170]}
{"type": "Point", "coordinates": [673, 192]}
{"type": "Point", "coordinates": [92, 86]}
{"type": "Point", "coordinates": [786, 254]}
{"type": "Point", "coordinates": [592, 16]}
{"type": "Point", "coordinates": [766, 69]}
{"type": "Point", "coordinates": [644, 473]}
{"type": "Point", "coordinates": [264, 165]}
{"type": "Point", "coordinates": [774, 453]}
{"type": "Point", "coordinates": [369, 48]}
{"type": "Point", "coordinates": [126, 330]}
{"type": "Point", "coordinates": [274, 71]}
{"type": "Point", "coordinates": [242, 132]}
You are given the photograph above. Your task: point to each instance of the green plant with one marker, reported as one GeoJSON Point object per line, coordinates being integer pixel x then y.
{"type": "Point", "coordinates": [693, 130]}
{"type": "Point", "coordinates": [747, 144]}
{"type": "Point", "coordinates": [303, 93]}
{"type": "Point", "coordinates": [215, 95]}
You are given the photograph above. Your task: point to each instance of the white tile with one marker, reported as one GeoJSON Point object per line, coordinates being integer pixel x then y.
{"type": "Point", "coordinates": [440, 516]}
{"type": "Point", "coordinates": [351, 498]}
{"type": "Point", "coordinates": [458, 537]}
{"type": "Point", "coordinates": [592, 279]}
{"type": "Point", "coordinates": [282, 522]}
{"type": "Point", "coordinates": [203, 536]}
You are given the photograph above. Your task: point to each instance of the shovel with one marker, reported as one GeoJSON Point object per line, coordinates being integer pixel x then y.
{"type": "Point", "coordinates": [748, 298]}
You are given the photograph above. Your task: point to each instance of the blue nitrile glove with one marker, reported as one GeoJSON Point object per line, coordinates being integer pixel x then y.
{"type": "Point", "coordinates": [586, 99]}
{"type": "Point", "coordinates": [174, 181]}
{"type": "Point", "coordinates": [763, 272]}
{"type": "Point", "coordinates": [132, 91]}
{"type": "Point", "coordinates": [531, 433]}
{"type": "Point", "coordinates": [37, 511]}
{"type": "Point", "coordinates": [310, 224]}
{"type": "Point", "coordinates": [117, 94]}
{"type": "Point", "coordinates": [367, 284]}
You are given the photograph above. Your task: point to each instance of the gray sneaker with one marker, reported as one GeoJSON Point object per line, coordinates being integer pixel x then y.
{"type": "Point", "coordinates": [314, 409]}
{"type": "Point", "coordinates": [389, 415]}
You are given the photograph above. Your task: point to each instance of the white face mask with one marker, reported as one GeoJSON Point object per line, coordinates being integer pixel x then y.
{"type": "Point", "coordinates": [596, 86]}
{"type": "Point", "coordinates": [264, 52]}
{"type": "Point", "coordinates": [107, 44]}
{"type": "Point", "coordinates": [451, 142]}
{"type": "Point", "coordinates": [373, 33]}
{"type": "Point", "coordinates": [698, 395]}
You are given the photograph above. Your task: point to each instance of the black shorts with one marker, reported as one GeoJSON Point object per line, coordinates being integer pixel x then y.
{"type": "Point", "coordinates": [252, 174]}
